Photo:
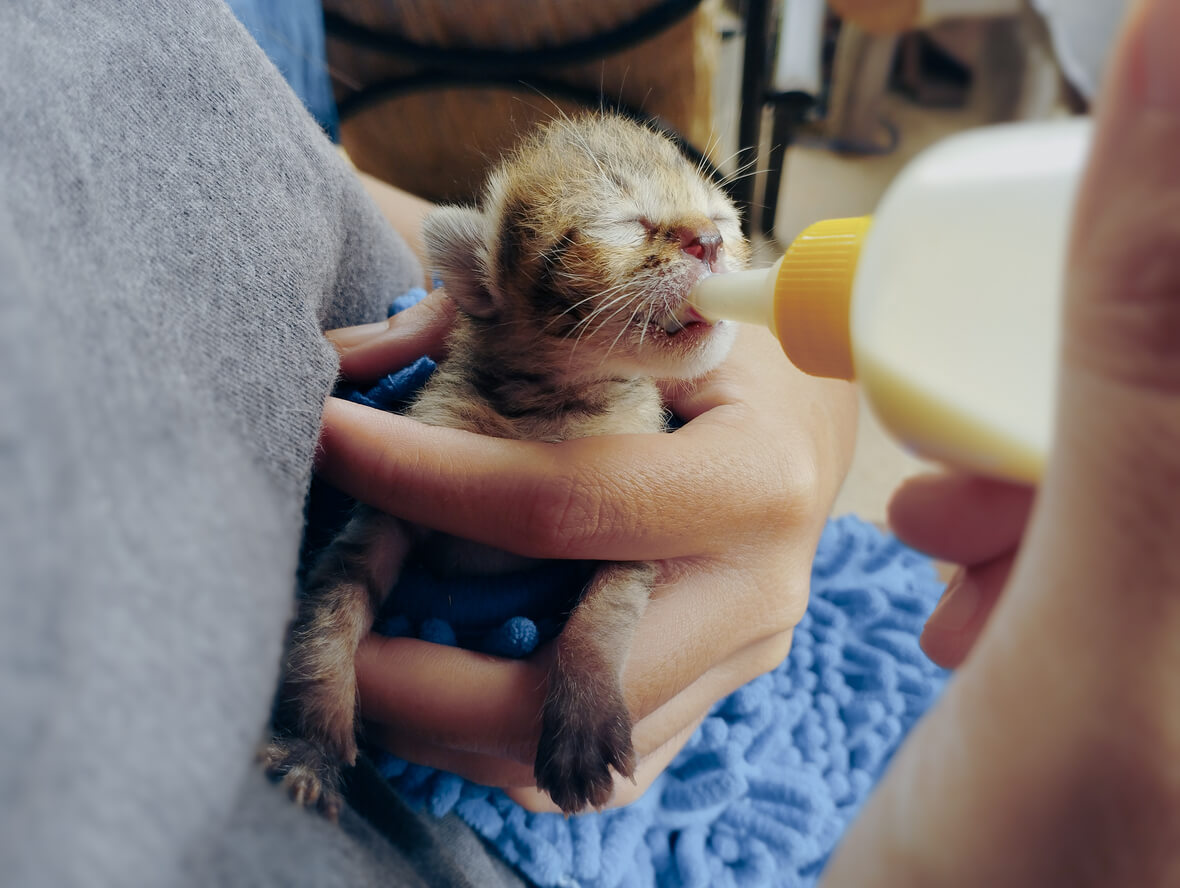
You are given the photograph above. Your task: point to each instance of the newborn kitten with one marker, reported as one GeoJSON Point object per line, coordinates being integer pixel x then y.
{"type": "Point", "coordinates": [571, 281]}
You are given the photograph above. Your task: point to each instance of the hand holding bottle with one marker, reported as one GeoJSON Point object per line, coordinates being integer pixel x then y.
{"type": "Point", "coordinates": [1051, 759]}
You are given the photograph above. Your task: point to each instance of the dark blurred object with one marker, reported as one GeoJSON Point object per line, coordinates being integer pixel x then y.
{"type": "Point", "coordinates": [929, 75]}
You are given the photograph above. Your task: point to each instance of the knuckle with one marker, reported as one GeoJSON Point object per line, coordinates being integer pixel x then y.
{"type": "Point", "coordinates": [792, 607]}
{"type": "Point", "coordinates": [771, 652]}
{"type": "Point", "coordinates": [780, 586]}
{"type": "Point", "coordinates": [788, 592]}
{"type": "Point", "coordinates": [792, 500]}
{"type": "Point", "coordinates": [563, 512]}
{"type": "Point", "coordinates": [801, 496]}
{"type": "Point", "coordinates": [390, 465]}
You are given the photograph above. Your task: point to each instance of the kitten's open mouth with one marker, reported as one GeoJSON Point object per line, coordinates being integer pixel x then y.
{"type": "Point", "coordinates": [683, 317]}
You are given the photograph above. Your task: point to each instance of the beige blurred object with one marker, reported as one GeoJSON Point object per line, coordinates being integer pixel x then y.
{"type": "Point", "coordinates": [890, 17]}
{"type": "Point", "coordinates": [439, 142]}
{"type": "Point", "coordinates": [879, 16]}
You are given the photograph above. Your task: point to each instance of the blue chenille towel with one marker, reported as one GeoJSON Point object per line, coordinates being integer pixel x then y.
{"type": "Point", "coordinates": [762, 792]}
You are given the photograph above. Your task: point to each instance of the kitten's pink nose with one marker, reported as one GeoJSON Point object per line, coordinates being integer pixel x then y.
{"type": "Point", "coordinates": [702, 242]}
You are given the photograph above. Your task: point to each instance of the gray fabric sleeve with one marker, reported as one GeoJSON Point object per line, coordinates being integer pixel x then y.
{"type": "Point", "coordinates": [175, 231]}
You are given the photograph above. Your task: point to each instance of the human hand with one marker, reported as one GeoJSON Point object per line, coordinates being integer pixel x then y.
{"type": "Point", "coordinates": [1051, 759]}
{"type": "Point", "coordinates": [730, 506]}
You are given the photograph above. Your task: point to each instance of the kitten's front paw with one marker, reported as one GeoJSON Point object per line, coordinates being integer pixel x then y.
{"type": "Point", "coordinates": [309, 774]}
{"type": "Point", "coordinates": [579, 746]}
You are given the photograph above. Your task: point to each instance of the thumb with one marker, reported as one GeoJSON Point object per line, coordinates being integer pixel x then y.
{"type": "Point", "coordinates": [1114, 486]}
{"type": "Point", "coordinates": [1123, 310]}
{"type": "Point", "coordinates": [369, 351]}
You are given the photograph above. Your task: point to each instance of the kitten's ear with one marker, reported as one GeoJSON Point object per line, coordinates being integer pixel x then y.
{"type": "Point", "coordinates": [455, 241]}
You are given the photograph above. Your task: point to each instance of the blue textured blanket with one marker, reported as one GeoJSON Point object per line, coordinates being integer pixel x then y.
{"type": "Point", "coordinates": [761, 793]}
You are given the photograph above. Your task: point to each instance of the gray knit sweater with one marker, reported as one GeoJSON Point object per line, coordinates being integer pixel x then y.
{"type": "Point", "coordinates": [174, 234]}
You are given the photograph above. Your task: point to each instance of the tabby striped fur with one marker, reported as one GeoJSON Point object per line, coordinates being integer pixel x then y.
{"type": "Point", "coordinates": [568, 279]}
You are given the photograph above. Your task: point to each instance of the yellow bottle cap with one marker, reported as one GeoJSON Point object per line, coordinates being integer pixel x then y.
{"type": "Point", "coordinates": [813, 296]}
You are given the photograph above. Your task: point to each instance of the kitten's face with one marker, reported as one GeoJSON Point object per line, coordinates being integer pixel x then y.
{"type": "Point", "coordinates": [594, 232]}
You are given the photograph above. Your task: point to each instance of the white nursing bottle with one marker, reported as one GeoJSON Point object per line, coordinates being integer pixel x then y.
{"type": "Point", "coordinates": [945, 306]}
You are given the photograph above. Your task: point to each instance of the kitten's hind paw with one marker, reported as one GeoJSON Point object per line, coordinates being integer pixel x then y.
{"type": "Point", "coordinates": [310, 776]}
{"type": "Point", "coordinates": [578, 748]}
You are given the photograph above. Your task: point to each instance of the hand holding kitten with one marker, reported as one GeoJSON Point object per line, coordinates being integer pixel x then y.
{"type": "Point", "coordinates": [731, 505]}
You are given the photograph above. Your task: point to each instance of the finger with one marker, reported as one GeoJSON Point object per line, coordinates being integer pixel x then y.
{"type": "Point", "coordinates": [960, 518]}
{"type": "Point", "coordinates": [658, 737]}
{"type": "Point", "coordinates": [517, 779]}
{"type": "Point", "coordinates": [670, 686]}
{"type": "Point", "coordinates": [963, 611]}
{"type": "Point", "coordinates": [617, 497]}
{"type": "Point", "coordinates": [450, 697]}
{"type": "Point", "coordinates": [370, 351]}
{"type": "Point", "coordinates": [656, 744]}
{"type": "Point", "coordinates": [447, 733]}
{"type": "Point", "coordinates": [421, 695]}
{"type": "Point", "coordinates": [484, 769]}
{"type": "Point", "coordinates": [1123, 311]}
{"type": "Point", "coordinates": [621, 497]}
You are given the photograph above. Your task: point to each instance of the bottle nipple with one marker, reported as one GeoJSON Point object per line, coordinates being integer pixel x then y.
{"type": "Point", "coordinates": [804, 298]}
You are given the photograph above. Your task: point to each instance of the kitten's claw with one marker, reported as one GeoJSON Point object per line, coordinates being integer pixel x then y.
{"type": "Point", "coordinates": [578, 748]}
{"type": "Point", "coordinates": [309, 775]}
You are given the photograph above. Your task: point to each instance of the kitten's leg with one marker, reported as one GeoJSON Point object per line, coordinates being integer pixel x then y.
{"type": "Point", "coordinates": [585, 727]}
{"type": "Point", "coordinates": [316, 713]}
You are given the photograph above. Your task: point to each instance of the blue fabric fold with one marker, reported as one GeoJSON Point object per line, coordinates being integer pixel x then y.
{"type": "Point", "coordinates": [762, 792]}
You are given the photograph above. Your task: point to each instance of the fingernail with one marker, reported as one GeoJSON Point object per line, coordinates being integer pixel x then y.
{"type": "Point", "coordinates": [957, 607]}
{"type": "Point", "coordinates": [1161, 32]}
{"type": "Point", "coordinates": [350, 337]}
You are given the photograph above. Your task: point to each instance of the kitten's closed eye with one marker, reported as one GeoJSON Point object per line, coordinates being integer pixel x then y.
{"type": "Point", "coordinates": [629, 232]}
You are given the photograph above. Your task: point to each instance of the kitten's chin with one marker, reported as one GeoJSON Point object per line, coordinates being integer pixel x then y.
{"type": "Point", "coordinates": [689, 352]}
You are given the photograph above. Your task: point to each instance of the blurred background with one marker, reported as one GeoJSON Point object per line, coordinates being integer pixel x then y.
{"type": "Point", "coordinates": [805, 109]}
